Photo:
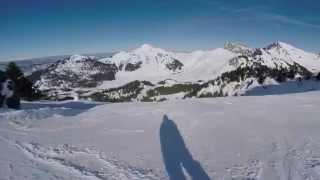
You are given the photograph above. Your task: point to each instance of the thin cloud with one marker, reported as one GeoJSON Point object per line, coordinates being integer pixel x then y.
{"type": "Point", "coordinates": [288, 20]}
{"type": "Point", "coordinates": [262, 13]}
{"type": "Point", "coordinates": [249, 9]}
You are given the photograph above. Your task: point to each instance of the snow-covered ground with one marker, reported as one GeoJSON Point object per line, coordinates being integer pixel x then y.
{"type": "Point", "coordinates": [252, 137]}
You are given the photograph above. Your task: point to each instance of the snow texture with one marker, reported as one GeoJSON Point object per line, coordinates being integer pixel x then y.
{"type": "Point", "coordinates": [253, 137]}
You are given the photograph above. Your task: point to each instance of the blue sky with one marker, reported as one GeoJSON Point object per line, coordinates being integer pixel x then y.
{"type": "Point", "coordinates": [35, 28]}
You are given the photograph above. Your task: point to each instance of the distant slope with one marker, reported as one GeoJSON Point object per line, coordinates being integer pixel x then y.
{"type": "Point", "coordinates": [30, 65]}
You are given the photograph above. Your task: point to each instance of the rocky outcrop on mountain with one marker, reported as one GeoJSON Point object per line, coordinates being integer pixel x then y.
{"type": "Point", "coordinates": [130, 66]}
{"type": "Point", "coordinates": [238, 48]}
{"type": "Point", "coordinates": [174, 65]}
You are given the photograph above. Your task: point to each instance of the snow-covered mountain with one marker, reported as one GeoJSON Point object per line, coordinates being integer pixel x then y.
{"type": "Point", "coordinates": [74, 72]}
{"type": "Point", "coordinates": [152, 74]}
{"type": "Point", "coordinates": [261, 67]}
{"type": "Point", "coordinates": [147, 62]}
{"type": "Point", "coordinates": [290, 53]}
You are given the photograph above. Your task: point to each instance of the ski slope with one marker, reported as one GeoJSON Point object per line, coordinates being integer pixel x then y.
{"type": "Point", "coordinates": [253, 137]}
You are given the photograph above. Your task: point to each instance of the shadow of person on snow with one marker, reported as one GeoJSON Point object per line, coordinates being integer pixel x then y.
{"type": "Point", "coordinates": [176, 155]}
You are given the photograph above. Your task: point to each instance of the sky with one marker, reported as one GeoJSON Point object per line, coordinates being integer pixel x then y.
{"type": "Point", "coordinates": [36, 28]}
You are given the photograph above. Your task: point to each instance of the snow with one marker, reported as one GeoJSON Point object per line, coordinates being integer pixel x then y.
{"type": "Point", "coordinates": [5, 91]}
{"type": "Point", "coordinates": [153, 68]}
{"type": "Point", "coordinates": [203, 65]}
{"type": "Point", "coordinates": [77, 57]}
{"type": "Point", "coordinates": [198, 67]}
{"type": "Point", "coordinates": [251, 137]}
{"type": "Point", "coordinates": [76, 64]}
{"type": "Point", "coordinates": [271, 87]}
{"type": "Point", "coordinates": [288, 52]}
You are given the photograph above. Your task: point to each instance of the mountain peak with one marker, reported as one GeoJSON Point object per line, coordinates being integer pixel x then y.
{"type": "Point", "coordinates": [77, 57]}
{"type": "Point", "coordinates": [232, 45]}
{"type": "Point", "coordinates": [147, 48]}
{"type": "Point", "coordinates": [237, 47]}
{"type": "Point", "coordinates": [280, 45]}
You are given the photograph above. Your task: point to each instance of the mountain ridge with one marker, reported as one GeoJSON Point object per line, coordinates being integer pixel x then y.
{"type": "Point", "coordinates": [229, 71]}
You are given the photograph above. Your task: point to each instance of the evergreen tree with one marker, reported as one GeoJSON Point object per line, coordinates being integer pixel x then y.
{"type": "Point", "coordinates": [281, 77]}
{"type": "Point", "coordinates": [261, 79]}
{"type": "Point", "coordinates": [291, 74]}
{"type": "Point", "coordinates": [2, 76]}
{"type": "Point", "coordinates": [25, 89]}
{"type": "Point", "coordinates": [13, 72]}
{"type": "Point", "coordinates": [2, 79]}
{"type": "Point", "coordinates": [318, 76]}
{"type": "Point", "coordinates": [23, 86]}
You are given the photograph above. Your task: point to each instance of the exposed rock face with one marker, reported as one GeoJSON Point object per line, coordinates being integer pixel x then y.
{"type": "Point", "coordinates": [238, 48]}
{"type": "Point", "coordinates": [174, 65]}
{"type": "Point", "coordinates": [132, 66]}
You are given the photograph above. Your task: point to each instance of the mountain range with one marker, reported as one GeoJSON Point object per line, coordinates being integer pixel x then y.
{"type": "Point", "coordinates": [153, 74]}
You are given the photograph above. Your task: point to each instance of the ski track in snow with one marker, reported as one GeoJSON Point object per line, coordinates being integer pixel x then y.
{"type": "Point", "coordinates": [281, 163]}
{"type": "Point", "coordinates": [282, 158]}
{"type": "Point", "coordinates": [65, 160]}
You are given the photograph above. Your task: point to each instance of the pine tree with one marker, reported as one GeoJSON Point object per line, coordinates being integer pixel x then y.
{"type": "Point", "coordinates": [13, 72]}
{"type": "Point", "coordinates": [281, 76]}
{"type": "Point", "coordinates": [23, 86]}
{"type": "Point", "coordinates": [261, 79]}
{"type": "Point", "coordinates": [318, 76]}
{"type": "Point", "coordinates": [2, 76]}
{"type": "Point", "coordinates": [2, 79]}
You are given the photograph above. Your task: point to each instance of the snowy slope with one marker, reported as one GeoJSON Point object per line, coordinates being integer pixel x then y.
{"type": "Point", "coordinates": [278, 54]}
{"type": "Point", "coordinates": [262, 67]}
{"type": "Point", "coordinates": [152, 65]}
{"type": "Point", "coordinates": [144, 63]}
{"type": "Point", "coordinates": [257, 138]}
{"type": "Point", "coordinates": [197, 65]}
{"type": "Point", "coordinates": [289, 53]}
{"type": "Point", "coordinates": [203, 65]}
